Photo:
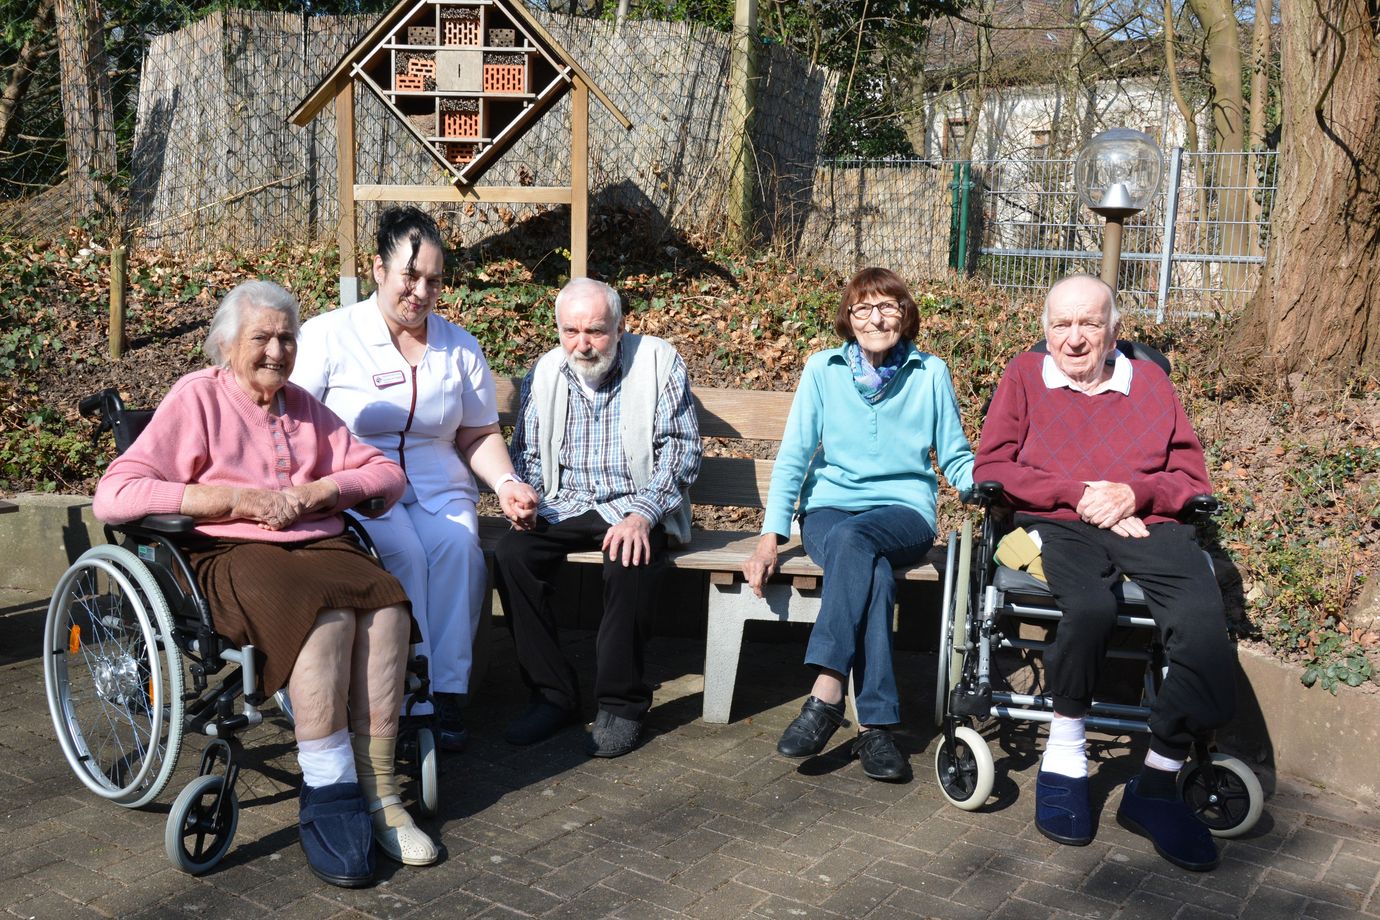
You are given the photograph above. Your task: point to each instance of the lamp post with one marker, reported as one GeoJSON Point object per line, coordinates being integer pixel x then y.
{"type": "Point", "coordinates": [1116, 175]}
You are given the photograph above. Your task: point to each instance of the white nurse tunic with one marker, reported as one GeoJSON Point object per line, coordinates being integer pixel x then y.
{"type": "Point", "coordinates": [430, 539]}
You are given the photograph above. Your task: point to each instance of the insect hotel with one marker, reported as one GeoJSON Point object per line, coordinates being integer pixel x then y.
{"type": "Point", "coordinates": [467, 78]}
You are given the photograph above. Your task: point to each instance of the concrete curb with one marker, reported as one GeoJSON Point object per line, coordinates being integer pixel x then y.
{"type": "Point", "coordinates": [1281, 726]}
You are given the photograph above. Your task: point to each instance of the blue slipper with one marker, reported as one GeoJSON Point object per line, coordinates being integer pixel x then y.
{"type": "Point", "coordinates": [1178, 836]}
{"type": "Point", "coordinates": [337, 835]}
{"type": "Point", "coordinates": [1062, 812]}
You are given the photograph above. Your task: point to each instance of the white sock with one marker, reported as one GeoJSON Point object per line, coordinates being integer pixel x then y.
{"type": "Point", "coordinates": [326, 761]}
{"type": "Point", "coordinates": [1064, 752]}
{"type": "Point", "coordinates": [1160, 762]}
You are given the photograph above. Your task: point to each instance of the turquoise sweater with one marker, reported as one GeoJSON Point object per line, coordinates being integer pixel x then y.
{"type": "Point", "coordinates": [839, 452]}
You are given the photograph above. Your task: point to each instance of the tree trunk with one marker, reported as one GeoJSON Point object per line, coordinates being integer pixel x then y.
{"type": "Point", "coordinates": [1316, 308]}
{"type": "Point", "coordinates": [1222, 44]}
{"type": "Point", "coordinates": [86, 103]}
{"type": "Point", "coordinates": [18, 80]}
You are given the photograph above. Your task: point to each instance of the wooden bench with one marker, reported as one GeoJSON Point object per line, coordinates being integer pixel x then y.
{"type": "Point", "coordinates": [792, 595]}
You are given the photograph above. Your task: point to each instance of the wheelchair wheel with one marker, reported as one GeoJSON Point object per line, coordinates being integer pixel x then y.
{"type": "Point", "coordinates": [201, 824]}
{"type": "Point", "coordinates": [1231, 803]}
{"type": "Point", "coordinates": [114, 676]}
{"type": "Point", "coordinates": [953, 625]}
{"type": "Point", "coordinates": [428, 797]}
{"type": "Point", "coordinates": [965, 769]}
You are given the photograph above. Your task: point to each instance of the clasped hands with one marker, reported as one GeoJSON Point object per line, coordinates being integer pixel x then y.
{"type": "Point", "coordinates": [1111, 506]}
{"type": "Point", "coordinates": [518, 500]}
{"type": "Point", "coordinates": [278, 509]}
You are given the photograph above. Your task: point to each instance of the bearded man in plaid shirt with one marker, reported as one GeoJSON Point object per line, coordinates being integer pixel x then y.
{"type": "Point", "coordinates": [609, 439]}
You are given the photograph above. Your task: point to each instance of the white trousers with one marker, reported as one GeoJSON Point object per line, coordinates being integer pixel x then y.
{"type": "Point", "coordinates": [438, 560]}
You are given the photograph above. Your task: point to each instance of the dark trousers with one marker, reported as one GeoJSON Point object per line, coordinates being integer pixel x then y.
{"type": "Point", "coordinates": [528, 562]}
{"type": "Point", "coordinates": [1082, 563]}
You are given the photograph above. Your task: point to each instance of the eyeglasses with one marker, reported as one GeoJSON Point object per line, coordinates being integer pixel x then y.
{"type": "Point", "coordinates": [888, 308]}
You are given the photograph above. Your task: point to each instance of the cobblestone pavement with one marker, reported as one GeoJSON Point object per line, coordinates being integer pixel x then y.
{"type": "Point", "coordinates": [702, 821]}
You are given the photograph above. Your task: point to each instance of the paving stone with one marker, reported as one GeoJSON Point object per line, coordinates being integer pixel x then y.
{"type": "Point", "coordinates": [652, 891]}
{"type": "Point", "coordinates": [1273, 904]}
{"type": "Point", "coordinates": [703, 821]}
{"type": "Point", "coordinates": [859, 896]}
{"type": "Point", "coordinates": [728, 900]}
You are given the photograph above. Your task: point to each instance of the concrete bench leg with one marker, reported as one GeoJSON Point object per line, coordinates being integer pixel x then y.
{"type": "Point", "coordinates": [723, 644]}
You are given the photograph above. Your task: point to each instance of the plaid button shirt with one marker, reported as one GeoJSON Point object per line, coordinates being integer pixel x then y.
{"type": "Point", "coordinates": [594, 471]}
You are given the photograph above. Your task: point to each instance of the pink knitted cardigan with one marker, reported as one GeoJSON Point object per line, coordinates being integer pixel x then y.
{"type": "Point", "coordinates": [207, 431]}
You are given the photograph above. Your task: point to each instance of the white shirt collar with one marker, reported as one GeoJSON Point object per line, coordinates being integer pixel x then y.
{"type": "Point", "coordinates": [1119, 381]}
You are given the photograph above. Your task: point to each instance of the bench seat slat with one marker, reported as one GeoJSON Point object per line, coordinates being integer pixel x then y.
{"type": "Point", "coordinates": [725, 551]}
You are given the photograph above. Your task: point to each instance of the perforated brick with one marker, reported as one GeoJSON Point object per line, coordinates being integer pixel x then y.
{"type": "Point", "coordinates": [460, 28]}
{"type": "Point", "coordinates": [502, 38]}
{"type": "Point", "coordinates": [408, 82]}
{"type": "Point", "coordinates": [421, 35]}
{"type": "Point", "coordinates": [460, 124]}
{"type": "Point", "coordinates": [461, 153]}
{"type": "Point", "coordinates": [505, 78]}
{"type": "Point", "coordinates": [421, 66]}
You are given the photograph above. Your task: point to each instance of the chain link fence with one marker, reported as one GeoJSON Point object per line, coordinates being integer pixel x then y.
{"type": "Point", "coordinates": [1197, 249]}
{"type": "Point", "coordinates": [202, 156]}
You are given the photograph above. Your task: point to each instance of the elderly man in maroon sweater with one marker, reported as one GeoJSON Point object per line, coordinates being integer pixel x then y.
{"type": "Point", "coordinates": [1098, 458]}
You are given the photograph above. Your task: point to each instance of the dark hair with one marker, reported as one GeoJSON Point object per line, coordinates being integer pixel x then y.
{"type": "Point", "coordinates": [413, 225]}
{"type": "Point", "coordinates": [882, 281]}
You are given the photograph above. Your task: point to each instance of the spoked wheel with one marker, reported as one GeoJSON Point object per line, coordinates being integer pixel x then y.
{"type": "Point", "coordinates": [114, 676]}
{"type": "Point", "coordinates": [964, 769]}
{"type": "Point", "coordinates": [1231, 803]}
{"type": "Point", "coordinates": [201, 824]}
{"type": "Point", "coordinates": [953, 623]}
{"type": "Point", "coordinates": [429, 794]}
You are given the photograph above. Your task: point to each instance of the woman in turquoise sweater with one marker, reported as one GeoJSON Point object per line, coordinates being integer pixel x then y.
{"type": "Point", "coordinates": [854, 466]}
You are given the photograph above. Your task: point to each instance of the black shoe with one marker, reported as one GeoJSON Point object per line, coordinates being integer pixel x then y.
{"type": "Point", "coordinates": [538, 722]}
{"type": "Point", "coordinates": [613, 736]}
{"type": "Point", "coordinates": [451, 733]}
{"type": "Point", "coordinates": [880, 757]}
{"type": "Point", "coordinates": [811, 730]}
{"type": "Point", "coordinates": [336, 834]}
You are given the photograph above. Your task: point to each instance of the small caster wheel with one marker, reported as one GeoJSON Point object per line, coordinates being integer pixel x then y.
{"type": "Point", "coordinates": [201, 824]}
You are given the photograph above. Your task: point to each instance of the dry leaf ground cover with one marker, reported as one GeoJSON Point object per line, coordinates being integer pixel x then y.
{"type": "Point", "coordinates": [1299, 472]}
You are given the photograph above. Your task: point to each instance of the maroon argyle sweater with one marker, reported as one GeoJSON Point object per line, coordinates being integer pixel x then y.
{"type": "Point", "coordinates": [1043, 444]}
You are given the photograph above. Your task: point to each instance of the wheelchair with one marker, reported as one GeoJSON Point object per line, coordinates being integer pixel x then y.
{"type": "Point", "coordinates": [132, 664]}
{"type": "Point", "coordinates": [984, 606]}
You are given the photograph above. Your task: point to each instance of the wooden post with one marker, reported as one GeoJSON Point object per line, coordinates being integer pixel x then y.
{"type": "Point", "coordinates": [579, 180]}
{"type": "Point", "coordinates": [345, 160]}
{"type": "Point", "coordinates": [118, 273]}
{"type": "Point", "coordinates": [741, 102]}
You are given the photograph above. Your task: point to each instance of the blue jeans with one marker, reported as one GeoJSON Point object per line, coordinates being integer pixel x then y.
{"type": "Point", "coordinates": [857, 550]}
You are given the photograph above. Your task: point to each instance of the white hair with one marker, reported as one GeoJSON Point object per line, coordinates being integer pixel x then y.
{"type": "Point", "coordinates": [225, 325]}
{"type": "Point", "coordinates": [1113, 314]}
{"type": "Point", "coordinates": [577, 286]}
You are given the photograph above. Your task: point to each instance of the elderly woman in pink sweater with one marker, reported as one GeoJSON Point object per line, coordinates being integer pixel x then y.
{"type": "Point", "coordinates": [265, 469]}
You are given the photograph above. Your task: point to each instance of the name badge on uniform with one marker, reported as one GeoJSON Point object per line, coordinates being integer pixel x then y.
{"type": "Point", "coordinates": [388, 379]}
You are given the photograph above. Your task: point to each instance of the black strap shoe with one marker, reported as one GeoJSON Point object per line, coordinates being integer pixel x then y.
{"type": "Point", "coordinates": [811, 730]}
{"type": "Point", "coordinates": [880, 757]}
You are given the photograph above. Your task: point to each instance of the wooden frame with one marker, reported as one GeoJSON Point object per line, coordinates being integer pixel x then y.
{"type": "Point", "coordinates": [388, 55]}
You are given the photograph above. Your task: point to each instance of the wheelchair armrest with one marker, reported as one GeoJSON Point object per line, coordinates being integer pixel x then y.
{"type": "Point", "coordinates": [985, 493]}
{"type": "Point", "coordinates": [1201, 508]}
{"type": "Point", "coordinates": [167, 523]}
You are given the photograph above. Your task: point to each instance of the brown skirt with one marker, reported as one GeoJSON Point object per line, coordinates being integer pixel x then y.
{"type": "Point", "coordinates": [269, 594]}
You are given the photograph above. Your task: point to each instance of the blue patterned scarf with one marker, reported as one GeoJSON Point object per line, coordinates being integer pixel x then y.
{"type": "Point", "coordinates": [872, 382]}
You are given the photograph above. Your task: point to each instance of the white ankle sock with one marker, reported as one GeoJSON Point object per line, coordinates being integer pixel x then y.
{"type": "Point", "coordinates": [326, 761]}
{"type": "Point", "coordinates": [1064, 752]}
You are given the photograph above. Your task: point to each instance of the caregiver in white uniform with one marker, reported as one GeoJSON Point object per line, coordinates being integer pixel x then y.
{"type": "Point", "coordinates": [417, 387]}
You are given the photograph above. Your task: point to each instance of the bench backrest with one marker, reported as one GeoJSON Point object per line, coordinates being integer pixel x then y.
{"type": "Point", "coordinates": [745, 414]}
